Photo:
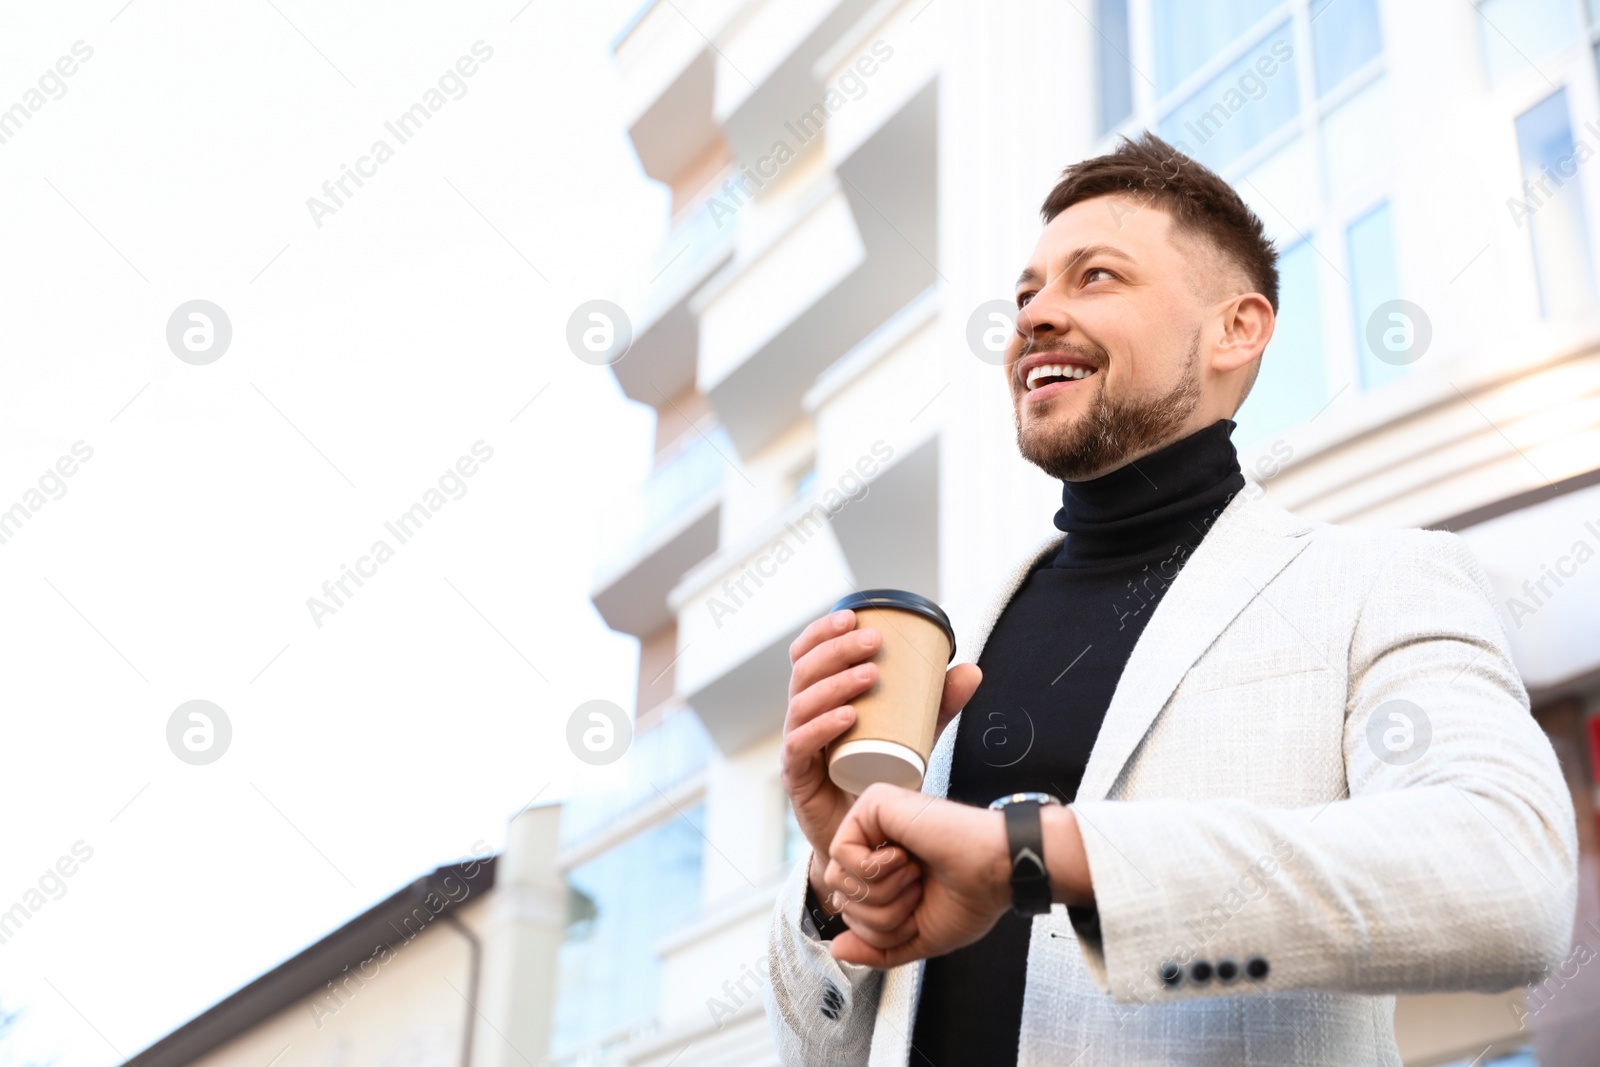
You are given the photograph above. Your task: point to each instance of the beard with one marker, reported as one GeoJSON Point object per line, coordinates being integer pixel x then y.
{"type": "Point", "coordinates": [1113, 430]}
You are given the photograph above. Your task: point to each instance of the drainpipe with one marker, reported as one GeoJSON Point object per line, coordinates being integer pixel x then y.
{"type": "Point", "coordinates": [522, 932]}
{"type": "Point", "coordinates": [476, 949]}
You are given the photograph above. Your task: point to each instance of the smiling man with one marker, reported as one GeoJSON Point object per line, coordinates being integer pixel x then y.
{"type": "Point", "coordinates": [1255, 775]}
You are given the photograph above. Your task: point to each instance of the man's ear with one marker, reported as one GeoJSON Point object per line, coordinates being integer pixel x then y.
{"type": "Point", "coordinates": [1247, 325]}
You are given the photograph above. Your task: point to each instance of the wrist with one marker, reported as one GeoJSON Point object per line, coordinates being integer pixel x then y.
{"type": "Point", "coordinates": [819, 888]}
{"type": "Point", "coordinates": [997, 873]}
{"type": "Point", "coordinates": [1065, 859]}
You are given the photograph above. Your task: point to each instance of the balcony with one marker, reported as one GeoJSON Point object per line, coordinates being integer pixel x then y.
{"type": "Point", "coordinates": [871, 423]}
{"type": "Point", "coordinates": [658, 533]}
{"type": "Point", "coordinates": [668, 70]}
{"type": "Point", "coordinates": [666, 336]}
{"type": "Point", "coordinates": [857, 248]}
{"type": "Point", "coordinates": [766, 67]}
{"type": "Point", "coordinates": [912, 36]}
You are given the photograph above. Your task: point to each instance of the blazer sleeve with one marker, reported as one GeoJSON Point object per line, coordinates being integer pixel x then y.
{"type": "Point", "coordinates": [1452, 871]}
{"type": "Point", "coordinates": [821, 1011]}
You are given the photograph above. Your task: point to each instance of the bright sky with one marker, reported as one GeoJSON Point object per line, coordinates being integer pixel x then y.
{"type": "Point", "coordinates": [367, 356]}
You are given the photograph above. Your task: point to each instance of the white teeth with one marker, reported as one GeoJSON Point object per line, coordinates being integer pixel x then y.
{"type": "Point", "coordinates": [1057, 370]}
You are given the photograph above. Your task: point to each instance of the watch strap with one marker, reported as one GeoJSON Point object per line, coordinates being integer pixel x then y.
{"type": "Point", "coordinates": [1030, 882]}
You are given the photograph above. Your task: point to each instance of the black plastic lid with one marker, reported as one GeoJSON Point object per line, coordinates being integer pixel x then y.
{"type": "Point", "coordinates": [899, 598]}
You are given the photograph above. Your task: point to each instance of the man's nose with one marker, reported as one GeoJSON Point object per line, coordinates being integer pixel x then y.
{"type": "Point", "coordinates": [1041, 318]}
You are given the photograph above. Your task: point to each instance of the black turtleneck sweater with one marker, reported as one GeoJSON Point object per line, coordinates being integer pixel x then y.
{"type": "Point", "coordinates": [1049, 669]}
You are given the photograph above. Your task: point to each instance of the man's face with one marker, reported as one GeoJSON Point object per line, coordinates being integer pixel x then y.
{"type": "Point", "coordinates": [1111, 358]}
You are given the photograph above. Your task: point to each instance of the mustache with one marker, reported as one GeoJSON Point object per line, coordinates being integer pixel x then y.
{"type": "Point", "coordinates": [1095, 357]}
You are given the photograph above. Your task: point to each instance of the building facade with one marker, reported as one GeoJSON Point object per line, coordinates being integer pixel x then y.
{"type": "Point", "coordinates": [854, 182]}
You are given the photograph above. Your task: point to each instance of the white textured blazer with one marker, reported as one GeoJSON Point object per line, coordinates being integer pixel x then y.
{"type": "Point", "coordinates": [1255, 793]}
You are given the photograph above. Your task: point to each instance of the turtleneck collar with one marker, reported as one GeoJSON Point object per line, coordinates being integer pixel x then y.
{"type": "Point", "coordinates": [1149, 505]}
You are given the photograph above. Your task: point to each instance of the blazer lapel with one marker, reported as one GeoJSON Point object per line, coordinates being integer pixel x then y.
{"type": "Point", "coordinates": [1250, 542]}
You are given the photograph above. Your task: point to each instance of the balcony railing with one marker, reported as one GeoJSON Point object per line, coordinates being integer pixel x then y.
{"type": "Point", "coordinates": [632, 24]}
{"type": "Point", "coordinates": [681, 481]}
{"type": "Point", "coordinates": [704, 234]}
{"type": "Point", "coordinates": [659, 759]}
{"type": "Point", "coordinates": [607, 1051]}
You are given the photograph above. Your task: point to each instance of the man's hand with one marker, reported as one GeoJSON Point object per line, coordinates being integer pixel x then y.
{"type": "Point", "coordinates": [828, 671]}
{"type": "Point", "coordinates": [964, 861]}
{"type": "Point", "coordinates": [965, 885]}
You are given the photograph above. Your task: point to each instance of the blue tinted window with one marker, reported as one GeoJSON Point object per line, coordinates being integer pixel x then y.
{"type": "Point", "coordinates": [1189, 32]}
{"type": "Point", "coordinates": [1344, 36]}
{"type": "Point", "coordinates": [621, 902]}
{"type": "Point", "coordinates": [1518, 34]}
{"type": "Point", "coordinates": [1551, 208]}
{"type": "Point", "coordinates": [1374, 282]}
{"type": "Point", "coordinates": [1233, 112]}
{"type": "Point", "coordinates": [1116, 74]}
{"type": "Point", "coordinates": [805, 481]}
{"type": "Point", "coordinates": [1292, 384]}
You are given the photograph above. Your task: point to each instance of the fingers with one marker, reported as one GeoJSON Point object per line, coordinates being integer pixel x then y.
{"type": "Point", "coordinates": [828, 673]}
{"type": "Point", "coordinates": [807, 741]}
{"type": "Point", "coordinates": [872, 879]}
{"type": "Point", "coordinates": [878, 883]}
{"type": "Point", "coordinates": [893, 930]}
{"type": "Point", "coordinates": [885, 926]}
{"type": "Point", "coordinates": [883, 813]}
{"type": "Point", "coordinates": [830, 625]}
{"type": "Point", "coordinates": [815, 702]}
{"type": "Point", "coordinates": [960, 682]}
{"type": "Point", "coordinates": [827, 647]}
{"type": "Point", "coordinates": [849, 947]}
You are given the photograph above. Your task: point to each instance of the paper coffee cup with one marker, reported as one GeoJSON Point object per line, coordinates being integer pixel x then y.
{"type": "Point", "coordinates": [892, 737]}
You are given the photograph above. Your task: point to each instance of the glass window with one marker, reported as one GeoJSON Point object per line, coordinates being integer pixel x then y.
{"type": "Point", "coordinates": [1374, 281]}
{"type": "Point", "coordinates": [622, 901]}
{"type": "Point", "coordinates": [659, 758]}
{"type": "Point", "coordinates": [1517, 33]}
{"type": "Point", "coordinates": [1235, 111]}
{"type": "Point", "coordinates": [1344, 36]}
{"type": "Point", "coordinates": [804, 480]}
{"type": "Point", "coordinates": [1292, 384]}
{"type": "Point", "coordinates": [1552, 206]}
{"type": "Point", "coordinates": [1116, 73]}
{"type": "Point", "coordinates": [1358, 141]}
{"type": "Point", "coordinates": [1189, 32]}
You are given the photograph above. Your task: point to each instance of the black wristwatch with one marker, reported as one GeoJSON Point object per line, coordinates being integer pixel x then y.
{"type": "Point", "coordinates": [1030, 882]}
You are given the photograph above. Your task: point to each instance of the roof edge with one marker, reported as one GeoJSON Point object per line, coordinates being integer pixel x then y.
{"type": "Point", "coordinates": [391, 923]}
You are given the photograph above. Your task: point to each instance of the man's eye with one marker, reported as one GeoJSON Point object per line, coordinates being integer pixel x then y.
{"type": "Point", "coordinates": [1089, 275]}
{"type": "Point", "coordinates": [1022, 301]}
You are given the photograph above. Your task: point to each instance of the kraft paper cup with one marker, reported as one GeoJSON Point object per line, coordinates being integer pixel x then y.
{"type": "Point", "coordinates": [892, 737]}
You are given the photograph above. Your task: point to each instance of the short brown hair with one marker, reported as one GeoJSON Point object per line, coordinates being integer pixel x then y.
{"type": "Point", "coordinates": [1154, 173]}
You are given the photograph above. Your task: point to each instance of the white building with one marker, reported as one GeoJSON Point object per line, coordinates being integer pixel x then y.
{"type": "Point", "coordinates": [851, 182]}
